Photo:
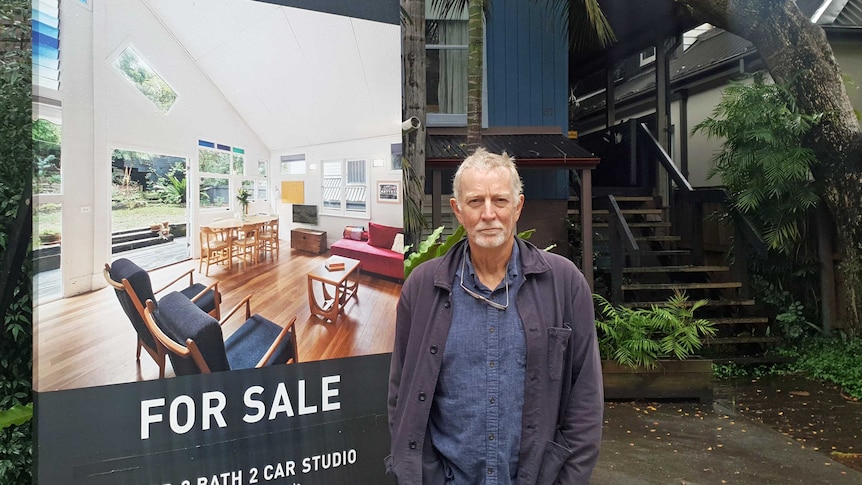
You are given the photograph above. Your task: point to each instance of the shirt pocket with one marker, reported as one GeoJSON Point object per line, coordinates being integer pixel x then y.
{"type": "Point", "coordinates": [558, 343]}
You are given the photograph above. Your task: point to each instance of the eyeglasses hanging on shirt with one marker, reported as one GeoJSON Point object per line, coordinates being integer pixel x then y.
{"type": "Point", "coordinates": [492, 304]}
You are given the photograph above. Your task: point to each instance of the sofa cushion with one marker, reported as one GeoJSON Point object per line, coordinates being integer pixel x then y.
{"type": "Point", "coordinates": [372, 259]}
{"type": "Point", "coordinates": [381, 236]}
{"type": "Point", "coordinates": [355, 232]}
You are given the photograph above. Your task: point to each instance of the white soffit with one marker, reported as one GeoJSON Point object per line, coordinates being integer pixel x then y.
{"type": "Point", "coordinates": [297, 77]}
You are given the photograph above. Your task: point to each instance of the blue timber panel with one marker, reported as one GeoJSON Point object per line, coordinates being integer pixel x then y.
{"type": "Point", "coordinates": [527, 65]}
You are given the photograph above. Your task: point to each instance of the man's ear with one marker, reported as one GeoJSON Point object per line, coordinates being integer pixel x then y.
{"type": "Point", "coordinates": [455, 209]}
{"type": "Point", "coordinates": [520, 204]}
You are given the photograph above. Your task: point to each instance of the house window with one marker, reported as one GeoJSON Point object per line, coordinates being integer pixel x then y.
{"type": "Point", "coordinates": [148, 82]}
{"type": "Point", "coordinates": [647, 56]}
{"type": "Point", "coordinates": [293, 164]}
{"type": "Point", "coordinates": [396, 156]}
{"type": "Point", "coordinates": [345, 187]}
{"type": "Point", "coordinates": [446, 67]}
{"type": "Point", "coordinates": [46, 44]}
{"type": "Point", "coordinates": [222, 172]}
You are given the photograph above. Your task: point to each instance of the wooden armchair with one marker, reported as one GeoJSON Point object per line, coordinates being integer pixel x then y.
{"type": "Point", "coordinates": [133, 286]}
{"type": "Point", "coordinates": [194, 339]}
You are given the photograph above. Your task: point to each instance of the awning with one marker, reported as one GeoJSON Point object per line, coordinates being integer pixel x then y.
{"type": "Point", "coordinates": [448, 148]}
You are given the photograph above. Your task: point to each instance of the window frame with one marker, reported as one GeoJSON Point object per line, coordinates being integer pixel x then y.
{"type": "Point", "coordinates": [344, 187]}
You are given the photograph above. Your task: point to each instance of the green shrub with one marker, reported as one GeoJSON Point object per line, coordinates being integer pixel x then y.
{"type": "Point", "coordinates": [639, 337]}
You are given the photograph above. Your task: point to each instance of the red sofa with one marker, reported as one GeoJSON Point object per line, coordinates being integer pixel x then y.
{"type": "Point", "coordinates": [373, 250]}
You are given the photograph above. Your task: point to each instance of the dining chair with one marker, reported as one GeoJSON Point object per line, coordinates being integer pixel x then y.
{"type": "Point", "coordinates": [215, 248]}
{"type": "Point", "coordinates": [195, 343]}
{"type": "Point", "coordinates": [133, 286]}
{"type": "Point", "coordinates": [245, 244]}
{"type": "Point", "coordinates": [268, 238]}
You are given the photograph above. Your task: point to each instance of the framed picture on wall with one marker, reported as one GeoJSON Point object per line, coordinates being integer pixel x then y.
{"type": "Point", "coordinates": [389, 191]}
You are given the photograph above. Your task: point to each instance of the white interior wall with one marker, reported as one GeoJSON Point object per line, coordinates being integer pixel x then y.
{"type": "Point", "coordinates": [371, 149]}
{"type": "Point", "coordinates": [79, 213]}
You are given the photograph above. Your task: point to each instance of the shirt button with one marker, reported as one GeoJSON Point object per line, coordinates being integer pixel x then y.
{"type": "Point", "coordinates": [412, 445]}
{"type": "Point", "coordinates": [446, 305]}
{"type": "Point", "coordinates": [491, 329]}
{"type": "Point", "coordinates": [421, 396]}
{"type": "Point", "coordinates": [433, 349]}
{"type": "Point", "coordinates": [491, 437]}
{"type": "Point", "coordinates": [490, 471]}
{"type": "Point", "coordinates": [492, 400]}
{"type": "Point", "coordinates": [491, 364]}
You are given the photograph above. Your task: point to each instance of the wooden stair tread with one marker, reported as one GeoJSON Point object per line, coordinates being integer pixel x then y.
{"type": "Point", "coordinates": [709, 303]}
{"type": "Point", "coordinates": [737, 320]}
{"type": "Point", "coordinates": [753, 360]}
{"type": "Point", "coordinates": [682, 286]}
{"type": "Point", "coordinates": [676, 269]}
{"type": "Point", "coordinates": [666, 252]}
{"type": "Point", "coordinates": [658, 238]}
{"type": "Point", "coordinates": [621, 198]}
{"type": "Point", "coordinates": [742, 340]}
{"type": "Point", "coordinates": [622, 211]}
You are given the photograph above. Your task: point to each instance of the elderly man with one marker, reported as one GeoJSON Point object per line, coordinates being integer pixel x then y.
{"type": "Point", "coordinates": [495, 375]}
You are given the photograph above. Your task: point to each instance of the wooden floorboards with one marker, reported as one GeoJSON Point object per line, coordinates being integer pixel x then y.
{"type": "Point", "coordinates": [87, 340]}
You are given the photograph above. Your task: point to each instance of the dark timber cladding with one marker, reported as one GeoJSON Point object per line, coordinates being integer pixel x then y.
{"type": "Point", "coordinates": [533, 148]}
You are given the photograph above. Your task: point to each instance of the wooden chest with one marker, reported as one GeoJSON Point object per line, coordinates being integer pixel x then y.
{"type": "Point", "coordinates": [308, 240]}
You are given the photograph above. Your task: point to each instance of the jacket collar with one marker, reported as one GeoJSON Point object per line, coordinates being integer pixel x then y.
{"type": "Point", "coordinates": [532, 261]}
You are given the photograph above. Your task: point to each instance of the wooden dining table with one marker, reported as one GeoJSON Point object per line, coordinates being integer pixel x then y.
{"type": "Point", "coordinates": [235, 223]}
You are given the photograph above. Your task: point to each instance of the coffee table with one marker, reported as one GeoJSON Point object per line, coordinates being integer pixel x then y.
{"type": "Point", "coordinates": [337, 281]}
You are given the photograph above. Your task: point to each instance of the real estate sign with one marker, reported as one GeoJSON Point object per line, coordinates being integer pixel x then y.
{"type": "Point", "coordinates": [242, 73]}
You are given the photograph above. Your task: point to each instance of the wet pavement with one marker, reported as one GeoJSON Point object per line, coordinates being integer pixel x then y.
{"type": "Point", "coordinates": [693, 443]}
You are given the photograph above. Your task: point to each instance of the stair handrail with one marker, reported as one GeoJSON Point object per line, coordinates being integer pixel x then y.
{"type": "Point", "coordinates": [665, 161]}
{"type": "Point", "coordinates": [620, 241]}
{"type": "Point", "coordinates": [701, 195]}
{"type": "Point", "coordinates": [743, 223]}
{"type": "Point", "coordinates": [609, 202]}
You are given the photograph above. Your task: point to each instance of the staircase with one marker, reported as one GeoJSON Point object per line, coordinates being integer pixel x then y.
{"type": "Point", "coordinates": [640, 262]}
{"type": "Point", "coordinates": [137, 238]}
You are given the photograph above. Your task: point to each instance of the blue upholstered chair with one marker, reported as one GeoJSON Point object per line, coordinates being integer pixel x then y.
{"type": "Point", "coordinates": [133, 287]}
{"type": "Point", "coordinates": [194, 339]}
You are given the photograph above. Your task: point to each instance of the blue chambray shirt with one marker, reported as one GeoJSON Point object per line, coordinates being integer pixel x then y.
{"type": "Point", "coordinates": [475, 423]}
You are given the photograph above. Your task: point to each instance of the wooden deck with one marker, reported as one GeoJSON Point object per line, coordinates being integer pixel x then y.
{"type": "Point", "coordinates": [87, 340]}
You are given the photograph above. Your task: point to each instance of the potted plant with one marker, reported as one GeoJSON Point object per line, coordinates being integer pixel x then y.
{"type": "Point", "coordinates": [49, 237]}
{"type": "Point", "coordinates": [645, 350]}
{"type": "Point", "coordinates": [243, 196]}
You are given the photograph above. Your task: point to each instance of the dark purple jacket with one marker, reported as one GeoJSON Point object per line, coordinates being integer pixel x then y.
{"type": "Point", "coordinates": [555, 304]}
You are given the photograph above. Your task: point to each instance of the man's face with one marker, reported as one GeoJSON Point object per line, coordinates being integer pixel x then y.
{"type": "Point", "coordinates": [488, 209]}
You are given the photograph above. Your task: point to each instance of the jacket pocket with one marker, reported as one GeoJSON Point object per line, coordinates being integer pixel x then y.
{"type": "Point", "coordinates": [553, 460]}
{"type": "Point", "coordinates": [558, 343]}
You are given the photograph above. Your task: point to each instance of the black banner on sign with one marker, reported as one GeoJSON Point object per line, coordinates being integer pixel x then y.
{"type": "Point", "coordinates": [314, 423]}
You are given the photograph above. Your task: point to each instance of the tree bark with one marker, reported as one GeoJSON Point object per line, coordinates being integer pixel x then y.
{"type": "Point", "coordinates": [413, 144]}
{"type": "Point", "coordinates": [797, 54]}
{"type": "Point", "coordinates": [476, 31]}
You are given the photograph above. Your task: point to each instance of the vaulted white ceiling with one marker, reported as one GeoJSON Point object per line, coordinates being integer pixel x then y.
{"type": "Point", "coordinates": [297, 77]}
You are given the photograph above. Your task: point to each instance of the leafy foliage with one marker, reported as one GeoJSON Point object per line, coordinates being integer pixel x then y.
{"type": "Point", "coordinates": [172, 187]}
{"type": "Point", "coordinates": [16, 152]}
{"type": "Point", "coordinates": [762, 161]}
{"type": "Point", "coordinates": [639, 337]}
{"type": "Point", "coordinates": [432, 247]}
{"type": "Point", "coordinates": [837, 360]}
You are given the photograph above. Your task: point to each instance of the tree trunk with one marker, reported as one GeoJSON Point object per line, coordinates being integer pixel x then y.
{"type": "Point", "coordinates": [413, 144]}
{"type": "Point", "coordinates": [474, 73]}
{"type": "Point", "coordinates": [797, 53]}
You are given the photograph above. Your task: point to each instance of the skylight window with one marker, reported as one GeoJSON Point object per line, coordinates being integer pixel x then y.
{"type": "Point", "coordinates": [150, 84]}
